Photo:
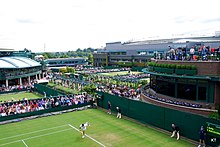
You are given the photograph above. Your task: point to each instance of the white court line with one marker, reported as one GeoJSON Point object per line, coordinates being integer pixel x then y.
{"type": "Point", "coordinates": [24, 143]}
{"type": "Point", "coordinates": [87, 136]}
{"type": "Point", "coordinates": [32, 132]}
{"type": "Point", "coordinates": [33, 137]}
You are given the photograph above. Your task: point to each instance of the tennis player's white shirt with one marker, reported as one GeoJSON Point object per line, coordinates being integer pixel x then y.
{"type": "Point", "coordinates": [83, 127]}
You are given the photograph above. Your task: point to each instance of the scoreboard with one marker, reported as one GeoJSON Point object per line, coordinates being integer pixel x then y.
{"type": "Point", "coordinates": [213, 129]}
{"type": "Point", "coordinates": [213, 134]}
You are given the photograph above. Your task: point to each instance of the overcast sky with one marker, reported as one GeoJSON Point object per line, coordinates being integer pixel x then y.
{"type": "Point", "coordinates": [64, 25]}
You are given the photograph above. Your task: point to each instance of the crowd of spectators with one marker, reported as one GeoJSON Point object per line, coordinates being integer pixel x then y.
{"type": "Point", "coordinates": [202, 53]}
{"type": "Point", "coordinates": [93, 70]}
{"type": "Point", "coordinates": [123, 91]}
{"type": "Point", "coordinates": [24, 105]}
{"type": "Point", "coordinates": [131, 76]}
{"type": "Point", "coordinates": [24, 87]}
{"type": "Point", "coordinates": [116, 89]}
{"type": "Point", "coordinates": [175, 102]}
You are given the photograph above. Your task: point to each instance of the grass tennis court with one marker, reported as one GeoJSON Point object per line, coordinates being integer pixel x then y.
{"type": "Point", "coordinates": [120, 73]}
{"type": "Point", "coordinates": [19, 96]}
{"type": "Point", "coordinates": [104, 130]}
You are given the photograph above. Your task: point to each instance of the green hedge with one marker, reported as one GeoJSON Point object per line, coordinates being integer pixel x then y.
{"type": "Point", "coordinates": [172, 68]}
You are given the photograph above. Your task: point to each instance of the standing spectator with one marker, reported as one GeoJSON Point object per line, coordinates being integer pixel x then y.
{"type": "Point", "coordinates": [192, 52]}
{"type": "Point", "coordinates": [218, 53]}
{"type": "Point", "coordinates": [202, 135]}
{"type": "Point", "coordinates": [200, 51]}
{"type": "Point", "coordinates": [183, 53]}
{"type": "Point", "coordinates": [176, 131]}
{"type": "Point", "coordinates": [45, 95]}
{"type": "Point", "coordinates": [118, 112]}
{"type": "Point", "coordinates": [180, 54]}
{"type": "Point", "coordinates": [204, 53]}
{"type": "Point", "coordinates": [109, 108]}
{"type": "Point", "coordinates": [172, 53]}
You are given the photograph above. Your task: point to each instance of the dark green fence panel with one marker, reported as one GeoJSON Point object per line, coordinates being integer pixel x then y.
{"type": "Point", "coordinates": [115, 102]}
{"type": "Point", "coordinates": [49, 91]}
{"type": "Point", "coordinates": [134, 109]}
{"type": "Point", "coordinates": [136, 68]}
{"type": "Point", "coordinates": [189, 123]}
{"type": "Point", "coordinates": [146, 113]}
{"type": "Point", "coordinates": [158, 116]}
{"type": "Point", "coordinates": [111, 67]}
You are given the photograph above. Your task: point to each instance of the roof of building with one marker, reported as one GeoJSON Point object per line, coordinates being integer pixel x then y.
{"type": "Point", "coordinates": [61, 59]}
{"type": "Point", "coordinates": [175, 40]}
{"type": "Point", "coordinates": [17, 62]}
{"type": "Point", "coordinates": [6, 50]}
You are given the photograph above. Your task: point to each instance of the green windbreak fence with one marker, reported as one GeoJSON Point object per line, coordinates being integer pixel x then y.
{"type": "Point", "coordinates": [158, 116]}
{"type": "Point", "coordinates": [49, 91]}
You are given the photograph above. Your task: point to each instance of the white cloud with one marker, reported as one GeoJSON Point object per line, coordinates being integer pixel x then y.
{"type": "Point", "coordinates": [72, 24]}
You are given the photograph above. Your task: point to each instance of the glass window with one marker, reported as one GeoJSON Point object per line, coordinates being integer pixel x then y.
{"type": "Point", "coordinates": [186, 91]}
{"type": "Point", "coordinates": [123, 53]}
{"type": "Point", "coordinates": [202, 93]}
{"type": "Point", "coordinates": [166, 88]}
{"type": "Point", "coordinates": [153, 82]}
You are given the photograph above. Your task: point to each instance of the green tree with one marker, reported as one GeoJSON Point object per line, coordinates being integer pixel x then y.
{"type": "Point", "coordinates": [90, 59]}
{"type": "Point", "coordinates": [78, 50]}
{"type": "Point", "coordinates": [63, 70]}
{"type": "Point", "coordinates": [70, 69]}
{"type": "Point", "coordinates": [90, 88]}
{"type": "Point", "coordinates": [64, 56]}
{"type": "Point", "coordinates": [48, 55]}
{"type": "Point", "coordinates": [45, 56]}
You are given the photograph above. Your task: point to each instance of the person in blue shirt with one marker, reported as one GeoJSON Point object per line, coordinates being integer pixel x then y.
{"type": "Point", "coordinates": [202, 135]}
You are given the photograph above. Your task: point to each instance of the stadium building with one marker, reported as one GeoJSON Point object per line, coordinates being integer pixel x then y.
{"type": "Point", "coordinates": [200, 84]}
{"type": "Point", "coordinates": [58, 62]}
{"type": "Point", "coordinates": [142, 51]}
{"type": "Point", "coordinates": [17, 70]}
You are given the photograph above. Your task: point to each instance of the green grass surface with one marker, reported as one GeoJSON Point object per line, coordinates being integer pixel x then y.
{"type": "Point", "coordinates": [120, 73]}
{"type": "Point", "coordinates": [19, 96]}
{"type": "Point", "coordinates": [107, 129]}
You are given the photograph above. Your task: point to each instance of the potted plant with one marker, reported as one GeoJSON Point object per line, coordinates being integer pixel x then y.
{"type": "Point", "coordinates": [151, 66]}
{"type": "Point", "coordinates": [169, 69]}
{"type": "Point", "coordinates": [157, 68]}
{"type": "Point", "coordinates": [180, 70]}
{"type": "Point", "coordinates": [190, 70]}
